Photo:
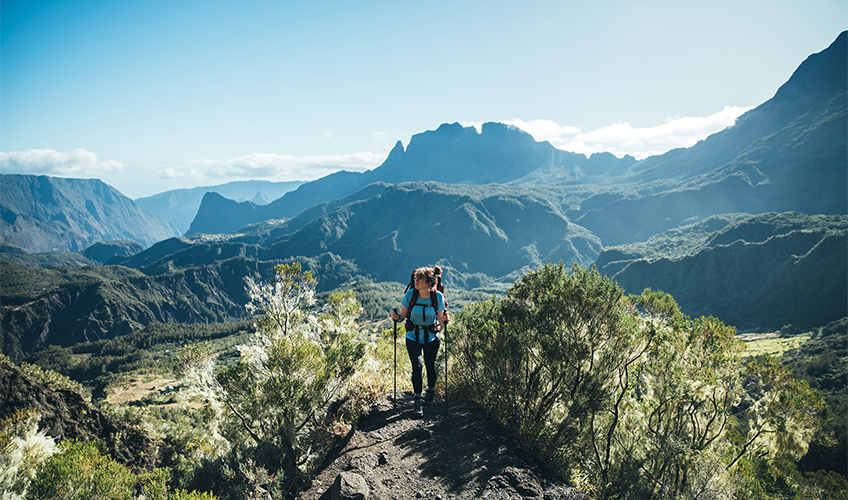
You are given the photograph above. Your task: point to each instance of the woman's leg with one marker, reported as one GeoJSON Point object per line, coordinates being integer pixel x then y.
{"type": "Point", "coordinates": [413, 348]}
{"type": "Point", "coordinates": [430, 351]}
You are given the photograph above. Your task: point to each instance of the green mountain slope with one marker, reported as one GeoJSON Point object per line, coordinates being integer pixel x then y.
{"type": "Point", "coordinates": [480, 232]}
{"type": "Point", "coordinates": [44, 214]}
{"type": "Point", "coordinates": [759, 272]}
{"type": "Point", "coordinates": [64, 306]}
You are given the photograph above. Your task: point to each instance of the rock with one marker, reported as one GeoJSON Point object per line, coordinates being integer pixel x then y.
{"type": "Point", "coordinates": [513, 484]}
{"type": "Point", "coordinates": [524, 481]}
{"type": "Point", "coordinates": [349, 486]}
{"type": "Point", "coordinates": [384, 458]}
{"type": "Point", "coordinates": [565, 493]}
{"type": "Point", "coordinates": [419, 433]}
{"type": "Point", "coordinates": [364, 462]}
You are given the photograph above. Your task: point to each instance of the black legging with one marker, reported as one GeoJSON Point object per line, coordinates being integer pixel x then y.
{"type": "Point", "coordinates": [414, 349]}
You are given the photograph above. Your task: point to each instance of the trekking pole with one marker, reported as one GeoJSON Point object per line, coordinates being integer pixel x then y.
{"type": "Point", "coordinates": [446, 368]}
{"type": "Point", "coordinates": [394, 400]}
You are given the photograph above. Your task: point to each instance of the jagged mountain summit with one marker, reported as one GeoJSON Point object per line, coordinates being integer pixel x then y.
{"type": "Point", "coordinates": [180, 205]}
{"type": "Point", "coordinates": [788, 154]}
{"type": "Point", "coordinates": [451, 154]}
{"type": "Point", "coordinates": [43, 214]}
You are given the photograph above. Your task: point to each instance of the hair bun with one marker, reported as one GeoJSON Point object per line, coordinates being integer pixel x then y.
{"type": "Point", "coordinates": [437, 270]}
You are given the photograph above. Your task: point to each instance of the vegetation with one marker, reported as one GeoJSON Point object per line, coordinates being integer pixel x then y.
{"type": "Point", "coordinates": [97, 365]}
{"type": "Point", "coordinates": [48, 259]}
{"type": "Point", "coordinates": [630, 393]}
{"type": "Point", "coordinates": [823, 363]}
{"type": "Point", "coordinates": [274, 407]}
{"type": "Point", "coordinates": [623, 394]}
{"type": "Point", "coordinates": [32, 466]}
{"type": "Point", "coordinates": [82, 471]}
{"type": "Point", "coordinates": [22, 448]}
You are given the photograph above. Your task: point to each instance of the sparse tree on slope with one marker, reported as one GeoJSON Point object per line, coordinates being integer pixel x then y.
{"type": "Point", "coordinates": [295, 365]}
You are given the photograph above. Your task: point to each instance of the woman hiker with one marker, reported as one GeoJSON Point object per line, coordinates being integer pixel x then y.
{"type": "Point", "coordinates": [421, 330]}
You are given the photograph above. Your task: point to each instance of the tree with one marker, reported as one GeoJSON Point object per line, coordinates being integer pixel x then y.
{"type": "Point", "coordinates": [273, 401]}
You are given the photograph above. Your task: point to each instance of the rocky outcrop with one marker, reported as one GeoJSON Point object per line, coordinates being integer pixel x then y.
{"type": "Point", "coordinates": [65, 414]}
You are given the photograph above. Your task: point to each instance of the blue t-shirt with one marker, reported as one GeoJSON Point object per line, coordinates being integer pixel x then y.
{"type": "Point", "coordinates": [422, 313]}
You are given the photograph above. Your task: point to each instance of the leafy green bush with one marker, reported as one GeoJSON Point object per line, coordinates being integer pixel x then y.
{"type": "Point", "coordinates": [82, 471]}
{"type": "Point", "coordinates": [626, 391]}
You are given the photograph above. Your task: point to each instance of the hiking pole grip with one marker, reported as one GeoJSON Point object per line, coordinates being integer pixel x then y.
{"type": "Point", "coordinates": [394, 341]}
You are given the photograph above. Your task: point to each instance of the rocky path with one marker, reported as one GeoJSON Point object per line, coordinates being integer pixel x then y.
{"type": "Point", "coordinates": [458, 454]}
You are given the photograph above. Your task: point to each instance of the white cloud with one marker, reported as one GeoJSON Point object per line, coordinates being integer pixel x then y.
{"type": "Point", "coordinates": [622, 138]}
{"type": "Point", "coordinates": [171, 173]}
{"type": "Point", "coordinates": [271, 166]}
{"type": "Point", "coordinates": [75, 163]}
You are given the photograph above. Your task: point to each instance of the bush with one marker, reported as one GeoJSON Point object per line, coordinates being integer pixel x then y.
{"type": "Point", "coordinates": [82, 471]}
{"type": "Point", "coordinates": [22, 448]}
{"type": "Point", "coordinates": [626, 391]}
{"type": "Point", "coordinates": [272, 405]}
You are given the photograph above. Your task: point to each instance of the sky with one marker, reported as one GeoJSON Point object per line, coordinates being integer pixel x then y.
{"type": "Point", "coordinates": [156, 95]}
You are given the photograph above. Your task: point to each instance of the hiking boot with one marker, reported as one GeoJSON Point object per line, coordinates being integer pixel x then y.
{"type": "Point", "coordinates": [428, 397]}
{"type": "Point", "coordinates": [417, 408]}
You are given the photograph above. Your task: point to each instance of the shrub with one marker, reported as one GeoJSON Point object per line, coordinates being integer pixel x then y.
{"type": "Point", "coordinates": [80, 472]}
{"type": "Point", "coordinates": [272, 404]}
{"type": "Point", "coordinates": [626, 392]}
{"type": "Point", "coordinates": [22, 448]}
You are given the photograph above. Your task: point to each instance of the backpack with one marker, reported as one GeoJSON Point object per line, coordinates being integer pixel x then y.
{"type": "Point", "coordinates": [434, 302]}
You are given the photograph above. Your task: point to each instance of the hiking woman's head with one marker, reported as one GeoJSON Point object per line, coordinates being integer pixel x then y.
{"type": "Point", "coordinates": [428, 274]}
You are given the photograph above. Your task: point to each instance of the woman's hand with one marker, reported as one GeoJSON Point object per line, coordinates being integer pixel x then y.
{"type": "Point", "coordinates": [395, 315]}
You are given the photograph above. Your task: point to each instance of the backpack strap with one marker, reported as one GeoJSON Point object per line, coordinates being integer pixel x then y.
{"type": "Point", "coordinates": [413, 301]}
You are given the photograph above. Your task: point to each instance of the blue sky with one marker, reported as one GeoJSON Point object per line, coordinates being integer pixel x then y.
{"type": "Point", "coordinates": [157, 95]}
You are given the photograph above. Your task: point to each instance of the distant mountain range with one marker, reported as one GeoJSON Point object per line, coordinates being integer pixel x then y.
{"type": "Point", "coordinates": [451, 154]}
{"type": "Point", "coordinates": [787, 154]}
{"type": "Point", "coordinates": [44, 214]}
{"type": "Point", "coordinates": [180, 205]}
{"type": "Point", "coordinates": [752, 271]}
{"type": "Point", "coordinates": [748, 225]}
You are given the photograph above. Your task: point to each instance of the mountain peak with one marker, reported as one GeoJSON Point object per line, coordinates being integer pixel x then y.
{"type": "Point", "coordinates": [821, 76]}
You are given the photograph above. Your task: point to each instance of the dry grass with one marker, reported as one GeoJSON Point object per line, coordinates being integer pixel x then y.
{"type": "Point", "coordinates": [774, 344]}
{"type": "Point", "coordinates": [137, 389]}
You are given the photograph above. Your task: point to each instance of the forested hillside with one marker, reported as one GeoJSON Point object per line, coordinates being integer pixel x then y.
{"type": "Point", "coordinates": [764, 272]}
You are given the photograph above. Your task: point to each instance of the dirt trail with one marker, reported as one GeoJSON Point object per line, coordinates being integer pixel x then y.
{"type": "Point", "coordinates": [458, 454]}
